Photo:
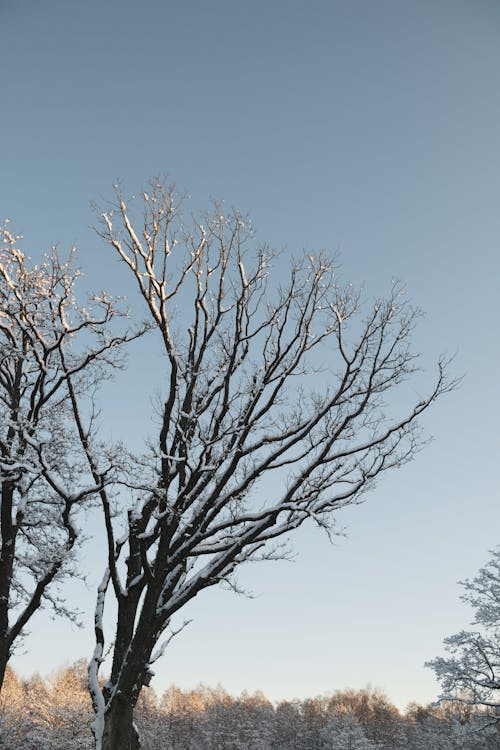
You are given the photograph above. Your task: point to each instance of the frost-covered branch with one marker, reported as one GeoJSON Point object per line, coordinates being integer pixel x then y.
{"type": "Point", "coordinates": [471, 673]}
{"type": "Point", "coordinates": [277, 410]}
{"type": "Point", "coordinates": [52, 351]}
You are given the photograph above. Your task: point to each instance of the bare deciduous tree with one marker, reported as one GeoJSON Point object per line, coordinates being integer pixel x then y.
{"type": "Point", "coordinates": [51, 352]}
{"type": "Point", "coordinates": [263, 379]}
{"type": "Point", "coordinates": [470, 674]}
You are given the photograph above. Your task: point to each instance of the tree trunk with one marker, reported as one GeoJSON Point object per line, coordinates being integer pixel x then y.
{"type": "Point", "coordinates": [4, 658]}
{"type": "Point", "coordinates": [119, 730]}
{"type": "Point", "coordinates": [7, 547]}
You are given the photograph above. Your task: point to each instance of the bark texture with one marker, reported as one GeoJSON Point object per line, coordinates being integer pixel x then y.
{"type": "Point", "coordinates": [119, 730]}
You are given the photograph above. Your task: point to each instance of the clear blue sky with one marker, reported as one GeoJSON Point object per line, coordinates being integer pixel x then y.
{"type": "Point", "coordinates": [366, 127]}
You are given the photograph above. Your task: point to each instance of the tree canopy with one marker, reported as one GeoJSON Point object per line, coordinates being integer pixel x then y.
{"type": "Point", "coordinates": [283, 399]}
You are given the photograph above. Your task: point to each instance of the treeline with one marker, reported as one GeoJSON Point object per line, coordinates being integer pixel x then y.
{"type": "Point", "coordinates": [55, 714]}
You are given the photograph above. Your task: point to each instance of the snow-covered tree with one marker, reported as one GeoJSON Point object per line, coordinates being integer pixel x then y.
{"type": "Point", "coordinates": [345, 732]}
{"type": "Point", "coordinates": [280, 379]}
{"type": "Point", "coordinates": [70, 709]}
{"type": "Point", "coordinates": [149, 720]}
{"type": "Point", "coordinates": [313, 718]}
{"type": "Point", "coordinates": [54, 714]}
{"type": "Point", "coordinates": [256, 721]}
{"type": "Point", "coordinates": [471, 673]}
{"type": "Point", "coordinates": [440, 728]}
{"type": "Point", "coordinates": [183, 725]}
{"type": "Point", "coordinates": [36, 718]}
{"type": "Point", "coordinates": [51, 352]}
{"type": "Point", "coordinates": [288, 726]}
{"type": "Point", "coordinates": [11, 711]}
{"type": "Point", "coordinates": [380, 719]}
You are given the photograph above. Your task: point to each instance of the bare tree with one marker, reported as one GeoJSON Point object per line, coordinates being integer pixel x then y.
{"type": "Point", "coordinates": [470, 675]}
{"type": "Point", "coordinates": [51, 352]}
{"type": "Point", "coordinates": [284, 380]}
{"type": "Point", "coordinates": [345, 732]}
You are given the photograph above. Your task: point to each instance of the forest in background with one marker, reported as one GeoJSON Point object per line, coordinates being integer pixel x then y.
{"type": "Point", "coordinates": [55, 713]}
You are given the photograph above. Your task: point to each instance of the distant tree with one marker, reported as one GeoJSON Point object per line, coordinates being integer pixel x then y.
{"type": "Point", "coordinates": [257, 720]}
{"type": "Point", "coordinates": [470, 675]}
{"type": "Point", "coordinates": [37, 716]}
{"type": "Point", "coordinates": [345, 732]}
{"type": "Point", "coordinates": [380, 719]}
{"type": "Point", "coordinates": [183, 717]}
{"type": "Point", "coordinates": [11, 711]}
{"type": "Point", "coordinates": [221, 724]}
{"type": "Point", "coordinates": [288, 726]}
{"type": "Point", "coordinates": [53, 714]}
{"type": "Point", "coordinates": [150, 721]}
{"type": "Point", "coordinates": [426, 729]}
{"type": "Point", "coordinates": [440, 728]}
{"type": "Point", "coordinates": [51, 352]}
{"type": "Point", "coordinates": [313, 718]}
{"type": "Point", "coordinates": [70, 711]}
{"type": "Point", "coordinates": [284, 380]}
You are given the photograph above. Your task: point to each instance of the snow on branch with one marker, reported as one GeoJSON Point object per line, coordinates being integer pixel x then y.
{"type": "Point", "coordinates": [284, 399]}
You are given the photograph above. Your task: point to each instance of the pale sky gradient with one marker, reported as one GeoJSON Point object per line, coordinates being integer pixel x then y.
{"type": "Point", "coordinates": [370, 128]}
